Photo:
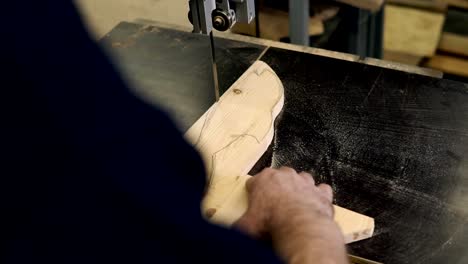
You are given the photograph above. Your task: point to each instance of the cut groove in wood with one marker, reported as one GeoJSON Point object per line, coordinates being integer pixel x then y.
{"type": "Point", "coordinates": [232, 136]}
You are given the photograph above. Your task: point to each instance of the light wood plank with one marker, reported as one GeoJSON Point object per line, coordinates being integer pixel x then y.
{"type": "Point", "coordinates": [449, 64]}
{"type": "Point", "coordinates": [436, 5]}
{"type": "Point", "coordinates": [402, 57]}
{"type": "Point", "coordinates": [458, 3]}
{"type": "Point", "coordinates": [412, 31]}
{"type": "Point", "coordinates": [354, 226]}
{"type": "Point", "coordinates": [454, 43]}
{"type": "Point", "coordinates": [234, 133]}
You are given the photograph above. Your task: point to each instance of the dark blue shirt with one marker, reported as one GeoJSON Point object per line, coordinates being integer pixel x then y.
{"type": "Point", "coordinates": [89, 173]}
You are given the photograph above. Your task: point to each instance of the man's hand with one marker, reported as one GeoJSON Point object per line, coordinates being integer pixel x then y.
{"type": "Point", "coordinates": [275, 195]}
{"type": "Point", "coordinates": [298, 216]}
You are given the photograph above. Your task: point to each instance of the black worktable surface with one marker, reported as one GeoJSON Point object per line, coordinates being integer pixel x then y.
{"type": "Point", "coordinates": [393, 145]}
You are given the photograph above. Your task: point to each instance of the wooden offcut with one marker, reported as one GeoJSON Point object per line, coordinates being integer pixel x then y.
{"type": "Point", "coordinates": [402, 57]}
{"type": "Point", "coordinates": [232, 136]}
{"type": "Point", "coordinates": [458, 3]}
{"type": "Point", "coordinates": [435, 5]}
{"type": "Point", "coordinates": [412, 31]}
{"type": "Point", "coordinates": [449, 64]}
{"type": "Point", "coordinates": [454, 43]}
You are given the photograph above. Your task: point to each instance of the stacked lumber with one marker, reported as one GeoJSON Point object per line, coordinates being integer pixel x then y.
{"type": "Point", "coordinates": [429, 33]}
{"type": "Point", "coordinates": [410, 34]}
{"type": "Point", "coordinates": [274, 17]}
{"type": "Point", "coordinates": [435, 5]}
{"type": "Point", "coordinates": [274, 25]}
{"type": "Point", "coordinates": [452, 55]}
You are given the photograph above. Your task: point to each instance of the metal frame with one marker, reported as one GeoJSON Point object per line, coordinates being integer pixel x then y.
{"type": "Point", "coordinates": [367, 41]}
{"type": "Point", "coordinates": [299, 22]}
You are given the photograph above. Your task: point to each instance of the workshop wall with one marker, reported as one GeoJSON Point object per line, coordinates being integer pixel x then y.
{"type": "Point", "coordinates": [102, 15]}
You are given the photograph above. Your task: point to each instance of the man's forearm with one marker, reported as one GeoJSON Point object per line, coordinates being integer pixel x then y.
{"type": "Point", "coordinates": [305, 239]}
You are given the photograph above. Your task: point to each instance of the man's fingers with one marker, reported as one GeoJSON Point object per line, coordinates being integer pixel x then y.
{"type": "Point", "coordinates": [246, 225]}
{"type": "Point", "coordinates": [249, 183]}
{"type": "Point", "coordinates": [327, 191]}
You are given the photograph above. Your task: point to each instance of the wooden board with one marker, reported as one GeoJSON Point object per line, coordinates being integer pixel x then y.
{"type": "Point", "coordinates": [436, 5]}
{"type": "Point", "coordinates": [234, 133]}
{"type": "Point", "coordinates": [449, 64]}
{"type": "Point", "coordinates": [412, 31]}
{"type": "Point", "coordinates": [454, 43]}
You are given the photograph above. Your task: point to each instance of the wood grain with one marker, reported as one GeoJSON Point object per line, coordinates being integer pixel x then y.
{"type": "Point", "coordinates": [454, 43]}
{"type": "Point", "coordinates": [448, 64]}
{"type": "Point", "coordinates": [234, 133]}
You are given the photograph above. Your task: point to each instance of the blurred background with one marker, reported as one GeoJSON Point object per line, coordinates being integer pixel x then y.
{"type": "Point", "coordinates": [427, 33]}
